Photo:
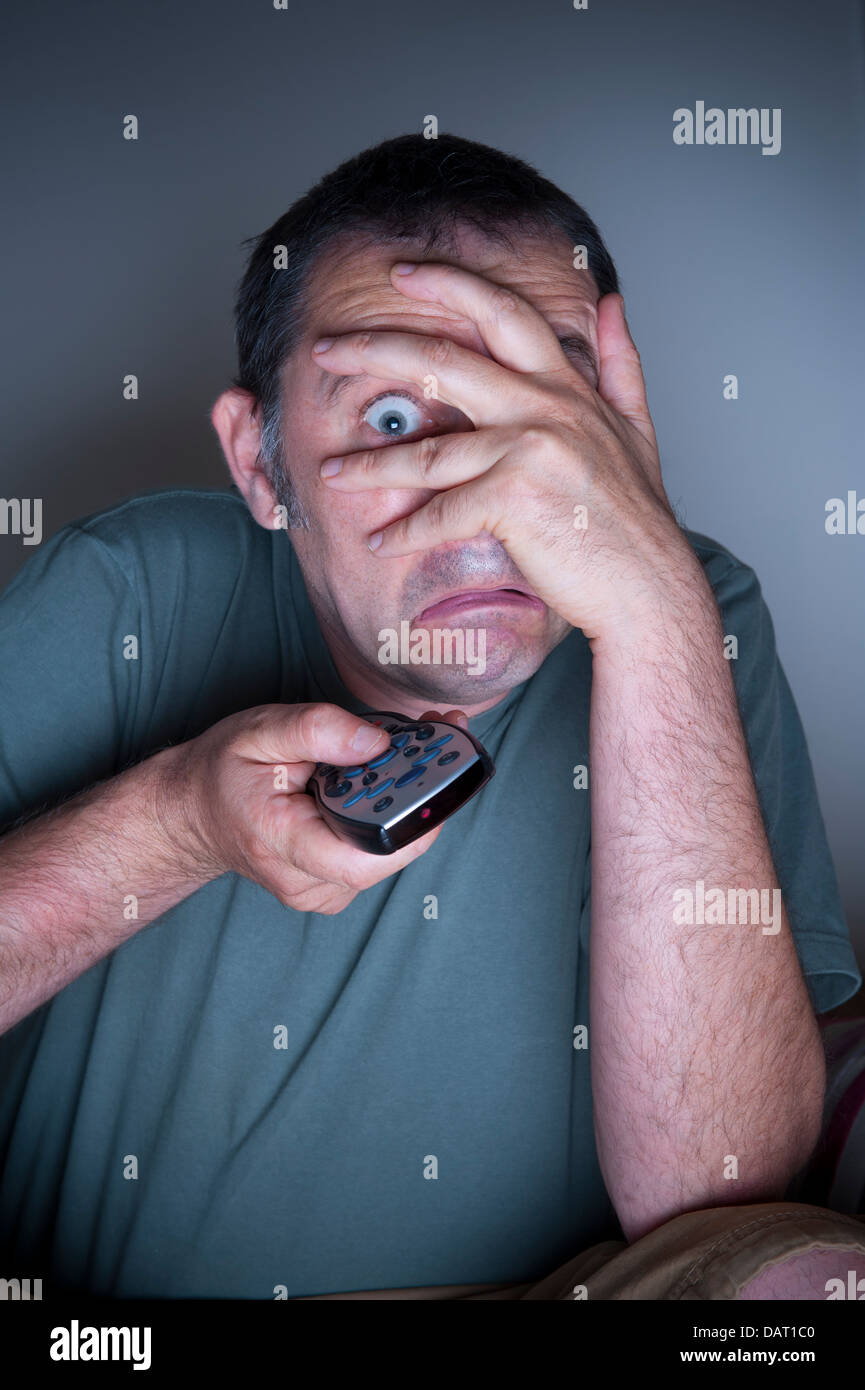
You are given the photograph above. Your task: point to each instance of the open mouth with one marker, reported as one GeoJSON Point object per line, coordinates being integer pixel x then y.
{"type": "Point", "coordinates": [479, 598]}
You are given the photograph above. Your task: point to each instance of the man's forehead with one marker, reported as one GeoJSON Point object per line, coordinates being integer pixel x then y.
{"type": "Point", "coordinates": [349, 287]}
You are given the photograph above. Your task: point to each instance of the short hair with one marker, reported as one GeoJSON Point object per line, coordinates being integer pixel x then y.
{"type": "Point", "coordinates": [409, 188]}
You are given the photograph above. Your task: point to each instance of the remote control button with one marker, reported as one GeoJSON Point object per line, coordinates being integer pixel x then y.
{"type": "Point", "coordinates": [410, 776]}
{"type": "Point", "coordinates": [382, 787]}
{"type": "Point", "coordinates": [358, 796]}
{"type": "Point", "coordinates": [399, 740]}
{"type": "Point", "coordinates": [393, 728]}
{"type": "Point", "coordinates": [424, 731]}
{"type": "Point", "coordinates": [338, 789]}
{"type": "Point", "coordinates": [446, 738]}
{"type": "Point", "coordinates": [383, 804]}
{"type": "Point", "coordinates": [325, 769]}
{"type": "Point", "coordinates": [427, 758]}
{"type": "Point", "coordinates": [385, 758]}
{"type": "Point", "coordinates": [448, 758]}
{"type": "Point", "coordinates": [353, 771]}
{"type": "Point", "coordinates": [410, 752]}
{"type": "Point", "coordinates": [369, 778]}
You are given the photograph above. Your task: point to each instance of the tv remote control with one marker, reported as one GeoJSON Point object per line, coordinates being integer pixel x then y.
{"type": "Point", "coordinates": [430, 770]}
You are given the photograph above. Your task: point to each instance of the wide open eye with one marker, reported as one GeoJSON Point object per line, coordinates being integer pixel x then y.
{"type": "Point", "coordinates": [394, 415]}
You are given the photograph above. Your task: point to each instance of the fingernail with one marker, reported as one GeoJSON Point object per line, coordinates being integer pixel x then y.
{"type": "Point", "coordinates": [322, 345]}
{"type": "Point", "coordinates": [332, 466]}
{"type": "Point", "coordinates": [404, 267]}
{"type": "Point", "coordinates": [366, 738]}
{"type": "Point", "coordinates": [375, 541]}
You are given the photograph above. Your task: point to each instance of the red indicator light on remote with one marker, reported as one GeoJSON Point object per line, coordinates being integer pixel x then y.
{"type": "Point", "coordinates": [425, 813]}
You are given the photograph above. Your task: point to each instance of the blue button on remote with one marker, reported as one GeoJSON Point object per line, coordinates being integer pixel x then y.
{"type": "Point", "coordinates": [358, 796]}
{"type": "Point", "coordinates": [409, 776]}
{"type": "Point", "coordinates": [439, 742]}
{"type": "Point", "coordinates": [385, 758]}
{"type": "Point", "coordinates": [383, 816]}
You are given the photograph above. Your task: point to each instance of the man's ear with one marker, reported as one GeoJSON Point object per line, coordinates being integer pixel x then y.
{"type": "Point", "coordinates": [235, 417]}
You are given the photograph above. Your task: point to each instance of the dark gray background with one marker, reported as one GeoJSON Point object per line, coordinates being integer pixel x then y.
{"type": "Point", "coordinates": [123, 257]}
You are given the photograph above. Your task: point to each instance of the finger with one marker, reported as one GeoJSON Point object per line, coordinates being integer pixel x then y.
{"type": "Point", "coordinates": [315, 733]}
{"type": "Point", "coordinates": [453, 716]}
{"type": "Point", "coordinates": [459, 513]}
{"type": "Point", "coordinates": [436, 461]}
{"type": "Point", "coordinates": [482, 389]}
{"type": "Point", "coordinates": [313, 848]}
{"type": "Point", "coordinates": [512, 329]}
{"type": "Point", "coordinates": [621, 382]}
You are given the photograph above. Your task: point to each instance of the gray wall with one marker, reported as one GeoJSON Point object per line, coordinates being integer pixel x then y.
{"type": "Point", "coordinates": [122, 257]}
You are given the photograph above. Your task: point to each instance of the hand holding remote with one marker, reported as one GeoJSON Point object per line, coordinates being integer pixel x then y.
{"type": "Point", "coordinates": [430, 769]}
{"type": "Point", "coordinates": [240, 789]}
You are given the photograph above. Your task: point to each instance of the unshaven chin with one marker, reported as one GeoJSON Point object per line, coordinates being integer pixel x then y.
{"type": "Point", "coordinates": [466, 630]}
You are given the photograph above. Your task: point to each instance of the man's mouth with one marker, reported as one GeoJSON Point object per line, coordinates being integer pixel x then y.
{"type": "Point", "coordinates": [464, 599]}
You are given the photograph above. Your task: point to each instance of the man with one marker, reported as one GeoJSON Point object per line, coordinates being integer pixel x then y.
{"type": "Point", "coordinates": [246, 1059]}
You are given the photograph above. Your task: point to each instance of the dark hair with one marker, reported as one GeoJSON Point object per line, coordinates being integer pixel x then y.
{"type": "Point", "coordinates": [408, 188]}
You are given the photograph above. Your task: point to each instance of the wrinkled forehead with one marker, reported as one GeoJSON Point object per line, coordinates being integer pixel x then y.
{"type": "Point", "coordinates": [348, 286]}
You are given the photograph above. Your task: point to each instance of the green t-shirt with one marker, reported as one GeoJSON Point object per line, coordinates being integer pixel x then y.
{"type": "Point", "coordinates": [428, 1119]}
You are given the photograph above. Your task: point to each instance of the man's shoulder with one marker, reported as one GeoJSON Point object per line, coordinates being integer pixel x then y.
{"type": "Point", "coordinates": [171, 515]}
{"type": "Point", "coordinates": [731, 578]}
{"type": "Point", "coordinates": [712, 554]}
{"type": "Point", "coordinates": [163, 537]}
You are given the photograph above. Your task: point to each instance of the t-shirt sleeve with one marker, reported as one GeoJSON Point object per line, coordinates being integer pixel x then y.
{"type": "Point", "coordinates": [67, 673]}
{"type": "Point", "coordinates": [786, 790]}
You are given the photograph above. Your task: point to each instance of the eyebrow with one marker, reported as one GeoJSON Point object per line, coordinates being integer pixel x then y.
{"type": "Point", "coordinates": [574, 345]}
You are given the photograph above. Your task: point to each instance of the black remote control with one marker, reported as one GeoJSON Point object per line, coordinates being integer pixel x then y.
{"type": "Point", "coordinates": [431, 769]}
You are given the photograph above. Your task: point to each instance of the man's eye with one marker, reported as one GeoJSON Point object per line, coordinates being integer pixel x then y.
{"type": "Point", "coordinates": [394, 415]}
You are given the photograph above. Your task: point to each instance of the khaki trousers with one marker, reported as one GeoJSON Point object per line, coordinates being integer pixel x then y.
{"type": "Point", "coordinates": [764, 1251]}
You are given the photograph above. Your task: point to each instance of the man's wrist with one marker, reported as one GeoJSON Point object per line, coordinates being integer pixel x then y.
{"type": "Point", "coordinates": [174, 809]}
{"type": "Point", "coordinates": [673, 617]}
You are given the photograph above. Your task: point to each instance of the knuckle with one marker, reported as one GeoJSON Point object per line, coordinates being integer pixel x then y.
{"type": "Point", "coordinates": [327, 901]}
{"type": "Point", "coordinates": [502, 304]}
{"type": "Point", "coordinates": [335, 904]}
{"type": "Point", "coordinates": [428, 454]}
{"type": "Point", "coordinates": [437, 510]}
{"type": "Point", "coordinates": [319, 897]}
{"type": "Point", "coordinates": [310, 723]}
{"type": "Point", "coordinates": [367, 461]}
{"type": "Point", "coordinates": [364, 341]}
{"type": "Point", "coordinates": [258, 718]}
{"type": "Point", "coordinates": [439, 351]}
{"type": "Point", "coordinates": [354, 876]}
{"type": "Point", "coordinates": [328, 907]}
{"type": "Point", "coordinates": [537, 439]}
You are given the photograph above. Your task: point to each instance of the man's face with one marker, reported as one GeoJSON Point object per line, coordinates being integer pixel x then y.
{"type": "Point", "coordinates": [463, 584]}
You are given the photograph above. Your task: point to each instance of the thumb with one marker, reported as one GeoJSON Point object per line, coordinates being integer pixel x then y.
{"type": "Point", "coordinates": [318, 733]}
{"type": "Point", "coordinates": [620, 377]}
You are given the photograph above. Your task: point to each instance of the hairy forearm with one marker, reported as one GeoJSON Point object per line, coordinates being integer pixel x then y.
{"type": "Point", "coordinates": [79, 880]}
{"type": "Point", "coordinates": [707, 1065]}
